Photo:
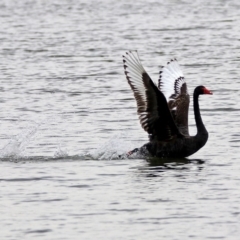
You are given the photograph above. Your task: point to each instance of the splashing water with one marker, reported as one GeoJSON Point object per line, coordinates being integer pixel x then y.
{"type": "Point", "coordinates": [18, 144]}
{"type": "Point", "coordinates": [60, 152]}
{"type": "Point", "coordinates": [16, 147]}
{"type": "Point", "coordinates": [114, 148]}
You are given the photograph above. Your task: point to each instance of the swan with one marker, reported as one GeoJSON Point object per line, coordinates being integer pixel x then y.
{"type": "Point", "coordinates": [163, 109]}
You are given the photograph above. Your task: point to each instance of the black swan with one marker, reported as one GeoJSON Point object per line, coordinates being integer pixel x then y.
{"type": "Point", "coordinates": [165, 122]}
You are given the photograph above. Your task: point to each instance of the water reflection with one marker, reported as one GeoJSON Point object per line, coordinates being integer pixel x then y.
{"type": "Point", "coordinates": [156, 166]}
{"type": "Point", "coordinates": [172, 161]}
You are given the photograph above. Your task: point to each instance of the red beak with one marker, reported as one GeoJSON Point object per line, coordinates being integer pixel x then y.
{"type": "Point", "coordinates": [206, 91]}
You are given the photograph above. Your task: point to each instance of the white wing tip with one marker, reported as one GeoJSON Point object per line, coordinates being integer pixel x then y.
{"type": "Point", "coordinates": [172, 60]}
{"type": "Point", "coordinates": [130, 52]}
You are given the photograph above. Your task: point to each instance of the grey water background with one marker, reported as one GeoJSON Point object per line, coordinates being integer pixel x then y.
{"type": "Point", "coordinates": [67, 112]}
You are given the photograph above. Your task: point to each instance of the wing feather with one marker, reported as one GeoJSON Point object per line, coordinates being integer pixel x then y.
{"type": "Point", "coordinates": [152, 107]}
{"type": "Point", "coordinates": [172, 84]}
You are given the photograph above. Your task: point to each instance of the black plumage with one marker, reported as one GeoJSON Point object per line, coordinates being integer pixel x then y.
{"type": "Point", "coordinates": [163, 109]}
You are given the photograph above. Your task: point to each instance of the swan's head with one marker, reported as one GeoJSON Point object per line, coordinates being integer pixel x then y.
{"type": "Point", "coordinates": [202, 90]}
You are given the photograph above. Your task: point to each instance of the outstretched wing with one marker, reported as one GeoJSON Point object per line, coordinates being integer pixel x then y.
{"type": "Point", "coordinates": [153, 110]}
{"type": "Point", "coordinates": [172, 84]}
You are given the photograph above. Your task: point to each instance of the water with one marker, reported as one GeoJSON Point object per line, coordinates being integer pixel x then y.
{"type": "Point", "coordinates": [67, 112]}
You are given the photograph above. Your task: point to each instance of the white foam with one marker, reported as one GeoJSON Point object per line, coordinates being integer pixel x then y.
{"type": "Point", "coordinates": [114, 148]}
{"type": "Point", "coordinates": [61, 152]}
{"type": "Point", "coordinates": [16, 147]}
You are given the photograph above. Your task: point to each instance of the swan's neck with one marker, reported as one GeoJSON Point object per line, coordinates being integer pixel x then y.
{"type": "Point", "coordinates": [200, 126]}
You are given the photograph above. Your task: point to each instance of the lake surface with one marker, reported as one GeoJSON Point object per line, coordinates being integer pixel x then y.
{"type": "Point", "coordinates": [67, 112]}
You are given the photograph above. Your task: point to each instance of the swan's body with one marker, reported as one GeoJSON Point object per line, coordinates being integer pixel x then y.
{"type": "Point", "coordinates": [165, 122]}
